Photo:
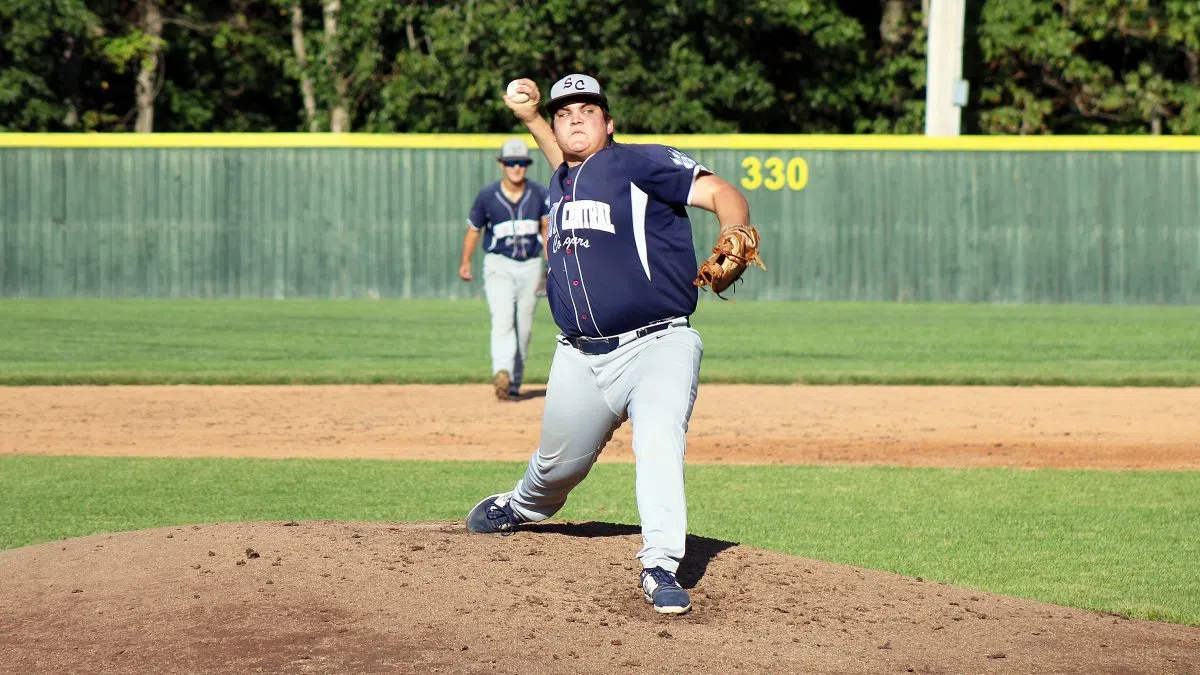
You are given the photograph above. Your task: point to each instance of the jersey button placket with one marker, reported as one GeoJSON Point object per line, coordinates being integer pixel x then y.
{"type": "Point", "coordinates": [567, 198]}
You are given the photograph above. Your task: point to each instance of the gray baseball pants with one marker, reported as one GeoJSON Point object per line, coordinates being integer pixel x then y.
{"type": "Point", "coordinates": [510, 287]}
{"type": "Point", "coordinates": [650, 381]}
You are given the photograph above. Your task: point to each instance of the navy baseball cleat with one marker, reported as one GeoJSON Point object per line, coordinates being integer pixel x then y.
{"type": "Point", "coordinates": [493, 515]}
{"type": "Point", "coordinates": [660, 587]}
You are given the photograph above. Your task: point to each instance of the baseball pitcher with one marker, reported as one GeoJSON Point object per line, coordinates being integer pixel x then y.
{"type": "Point", "coordinates": [622, 284]}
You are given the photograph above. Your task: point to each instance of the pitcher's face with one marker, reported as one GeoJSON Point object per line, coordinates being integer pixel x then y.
{"type": "Point", "coordinates": [581, 129]}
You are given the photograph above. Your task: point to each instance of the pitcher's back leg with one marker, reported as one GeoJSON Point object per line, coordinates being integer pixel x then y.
{"type": "Point", "coordinates": [576, 425]}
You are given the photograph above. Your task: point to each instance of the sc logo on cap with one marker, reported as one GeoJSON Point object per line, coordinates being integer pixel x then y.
{"type": "Point", "coordinates": [577, 85]}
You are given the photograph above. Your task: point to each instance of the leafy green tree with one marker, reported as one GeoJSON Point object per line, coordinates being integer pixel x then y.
{"type": "Point", "coordinates": [671, 66]}
{"type": "Point", "coordinates": [1091, 66]}
{"type": "Point", "coordinates": [221, 67]}
{"type": "Point", "coordinates": [44, 46]}
{"type": "Point", "coordinates": [226, 69]}
{"type": "Point", "coordinates": [892, 86]}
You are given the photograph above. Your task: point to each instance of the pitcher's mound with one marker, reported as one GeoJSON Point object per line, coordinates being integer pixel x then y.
{"type": "Point", "coordinates": [560, 597]}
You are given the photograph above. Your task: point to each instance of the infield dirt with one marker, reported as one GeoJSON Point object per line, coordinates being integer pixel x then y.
{"type": "Point", "coordinates": [1059, 427]}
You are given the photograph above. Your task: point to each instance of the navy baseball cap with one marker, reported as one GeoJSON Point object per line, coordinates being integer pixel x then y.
{"type": "Point", "coordinates": [573, 89]}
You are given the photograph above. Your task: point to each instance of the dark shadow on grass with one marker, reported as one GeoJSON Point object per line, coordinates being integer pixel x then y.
{"type": "Point", "coordinates": [700, 550]}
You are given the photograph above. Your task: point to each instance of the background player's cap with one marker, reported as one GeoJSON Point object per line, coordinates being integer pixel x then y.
{"type": "Point", "coordinates": [574, 88]}
{"type": "Point", "coordinates": [514, 149]}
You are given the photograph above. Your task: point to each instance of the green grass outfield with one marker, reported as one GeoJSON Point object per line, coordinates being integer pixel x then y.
{"type": "Point", "coordinates": [407, 341]}
{"type": "Point", "coordinates": [1123, 542]}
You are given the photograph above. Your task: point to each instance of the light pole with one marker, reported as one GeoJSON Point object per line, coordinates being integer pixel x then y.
{"type": "Point", "coordinates": [945, 90]}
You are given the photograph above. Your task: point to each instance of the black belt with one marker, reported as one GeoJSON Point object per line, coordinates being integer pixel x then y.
{"type": "Point", "coordinates": [597, 346]}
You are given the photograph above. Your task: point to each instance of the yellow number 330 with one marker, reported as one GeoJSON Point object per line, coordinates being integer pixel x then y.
{"type": "Point", "coordinates": [794, 174]}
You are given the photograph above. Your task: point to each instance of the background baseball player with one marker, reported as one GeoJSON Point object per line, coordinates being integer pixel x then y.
{"type": "Point", "coordinates": [511, 214]}
{"type": "Point", "coordinates": [621, 286]}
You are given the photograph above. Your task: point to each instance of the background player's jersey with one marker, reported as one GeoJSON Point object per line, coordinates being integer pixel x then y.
{"type": "Point", "coordinates": [510, 229]}
{"type": "Point", "coordinates": [621, 252]}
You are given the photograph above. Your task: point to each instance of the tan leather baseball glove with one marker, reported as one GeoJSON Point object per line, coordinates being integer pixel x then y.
{"type": "Point", "coordinates": [736, 249]}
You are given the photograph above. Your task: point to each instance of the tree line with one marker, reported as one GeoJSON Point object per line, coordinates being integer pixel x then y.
{"type": "Point", "coordinates": [670, 66]}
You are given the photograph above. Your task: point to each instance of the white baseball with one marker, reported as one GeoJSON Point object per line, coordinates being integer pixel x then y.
{"type": "Point", "coordinates": [514, 95]}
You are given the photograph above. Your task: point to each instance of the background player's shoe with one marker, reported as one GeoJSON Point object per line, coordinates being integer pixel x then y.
{"type": "Point", "coordinates": [502, 382]}
{"type": "Point", "coordinates": [660, 587]}
{"type": "Point", "coordinates": [493, 515]}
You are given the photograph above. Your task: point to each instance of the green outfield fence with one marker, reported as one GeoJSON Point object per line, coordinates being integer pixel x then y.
{"type": "Point", "coordinates": [906, 218]}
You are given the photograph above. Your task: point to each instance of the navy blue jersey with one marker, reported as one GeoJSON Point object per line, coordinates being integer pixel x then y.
{"type": "Point", "coordinates": [621, 253]}
{"type": "Point", "coordinates": [510, 229]}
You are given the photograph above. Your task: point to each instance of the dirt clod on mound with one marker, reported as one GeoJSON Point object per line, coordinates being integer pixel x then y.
{"type": "Point", "coordinates": [377, 597]}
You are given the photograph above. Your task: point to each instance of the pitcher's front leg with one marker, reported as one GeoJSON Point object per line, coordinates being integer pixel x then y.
{"type": "Point", "coordinates": [660, 408]}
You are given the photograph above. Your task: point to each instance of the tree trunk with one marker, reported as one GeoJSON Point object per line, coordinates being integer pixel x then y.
{"type": "Point", "coordinates": [467, 28]}
{"type": "Point", "coordinates": [412, 36]}
{"type": "Point", "coordinates": [306, 85]}
{"type": "Point", "coordinates": [891, 22]}
{"type": "Point", "coordinates": [70, 70]}
{"type": "Point", "coordinates": [147, 77]}
{"type": "Point", "coordinates": [339, 117]}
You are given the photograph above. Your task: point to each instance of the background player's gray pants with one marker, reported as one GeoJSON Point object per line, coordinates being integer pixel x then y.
{"type": "Point", "coordinates": [650, 381]}
{"type": "Point", "coordinates": [511, 290]}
